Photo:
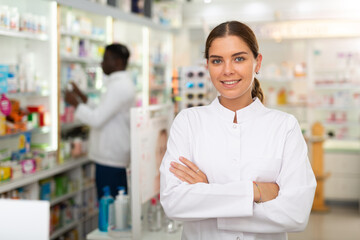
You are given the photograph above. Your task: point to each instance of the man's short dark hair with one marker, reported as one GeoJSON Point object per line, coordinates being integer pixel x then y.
{"type": "Point", "coordinates": [119, 51]}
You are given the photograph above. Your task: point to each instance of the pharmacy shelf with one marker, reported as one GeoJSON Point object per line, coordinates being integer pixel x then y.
{"type": "Point", "coordinates": [64, 229]}
{"type": "Point", "coordinates": [90, 215]}
{"type": "Point", "coordinates": [135, 65]}
{"type": "Point", "coordinates": [25, 35]}
{"type": "Point", "coordinates": [41, 130]}
{"type": "Point", "coordinates": [62, 198]}
{"type": "Point", "coordinates": [80, 59]}
{"type": "Point", "coordinates": [88, 186]}
{"type": "Point", "coordinates": [342, 124]}
{"type": "Point", "coordinates": [26, 95]}
{"type": "Point", "coordinates": [337, 87]}
{"type": "Point", "coordinates": [158, 87]}
{"type": "Point", "coordinates": [116, 13]}
{"type": "Point", "coordinates": [289, 105]}
{"type": "Point", "coordinates": [337, 108]}
{"type": "Point", "coordinates": [285, 80]}
{"type": "Point", "coordinates": [32, 178]}
{"type": "Point", "coordinates": [84, 36]}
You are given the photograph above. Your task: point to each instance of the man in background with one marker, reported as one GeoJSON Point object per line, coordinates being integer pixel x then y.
{"type": "Point", "coordinates": [109, 122]}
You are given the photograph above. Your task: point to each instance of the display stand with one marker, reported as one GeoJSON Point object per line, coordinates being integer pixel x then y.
{"type": "Point", "coordinates": [147, 123]}
{"type": "Point", "coordinates": [318, 166]}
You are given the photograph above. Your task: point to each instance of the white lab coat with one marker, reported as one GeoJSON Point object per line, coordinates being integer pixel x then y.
{"type": "Point", "coordinates": [109, 141]}
{"type": "Point", "coordinates": [265, 145]}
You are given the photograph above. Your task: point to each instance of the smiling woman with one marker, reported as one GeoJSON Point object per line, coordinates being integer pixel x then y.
{"type": "Point", "coordinates": [235, 169]}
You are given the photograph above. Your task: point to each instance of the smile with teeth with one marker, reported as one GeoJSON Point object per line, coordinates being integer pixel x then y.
{"type": "Point", "coordinates": [230, 82]}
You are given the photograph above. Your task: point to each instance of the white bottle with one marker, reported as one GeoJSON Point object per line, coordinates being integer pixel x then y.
{"type": "Point", "coordinates": [121, 209]}
{"type": "Point", "coordinates": [154, 216]}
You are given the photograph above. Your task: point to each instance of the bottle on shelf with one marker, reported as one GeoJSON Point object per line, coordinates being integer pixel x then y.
{"type": "Point", "coordinates": [121, 205]}
{"type": "Point", "coordinates": [154, 216]}
{"type": "Point", "coordinates": [106, 210]}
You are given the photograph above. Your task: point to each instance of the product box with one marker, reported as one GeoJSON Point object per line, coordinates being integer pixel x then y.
{"type": "Point", "coordinates": [24, 142]}
{"type": "Point", "coordinates": [2, 124]}
{"type": "Point", "coordinates": [4, 71]}
{"type": "Point", "coordinates": [5, 173]}
{"type": "Point", "coordinates": [45, 190]}
{"type": "Point", "coordinates": [28, 166]}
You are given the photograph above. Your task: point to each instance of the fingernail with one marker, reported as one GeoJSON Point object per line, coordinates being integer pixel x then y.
{"type": "Point", "coordinates": [181, 158]}
{"type": "Point", "coordinates": [173, 164]}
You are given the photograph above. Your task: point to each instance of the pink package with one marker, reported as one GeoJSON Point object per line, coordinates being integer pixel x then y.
{"type": "Point", "coordinates": [28, 165]}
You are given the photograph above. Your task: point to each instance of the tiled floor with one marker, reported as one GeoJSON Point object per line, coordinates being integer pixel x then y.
{"type": "Point", "coordinates": [338, 224]}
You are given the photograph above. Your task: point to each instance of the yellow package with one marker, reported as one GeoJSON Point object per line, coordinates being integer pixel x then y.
{"type": "Point", "coordinates": [5, 173]}
{"type": "Point", "coordinates": [2, 124]}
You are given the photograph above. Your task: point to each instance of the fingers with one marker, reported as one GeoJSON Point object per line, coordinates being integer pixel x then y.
{"type": "Point", "coordinates": [184, 169]}
{"type": "Point", "coordinates": [195, 168]}
{"type": "Point", "coordinates": [189, 172]}
{"type": "Point", "coordinates": [188, 163]}
{"type": "Point", "coordinates": [182, 175]}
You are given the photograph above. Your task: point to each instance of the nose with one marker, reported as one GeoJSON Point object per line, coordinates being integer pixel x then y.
{"type": "Point", "coordinates": [228, 68]}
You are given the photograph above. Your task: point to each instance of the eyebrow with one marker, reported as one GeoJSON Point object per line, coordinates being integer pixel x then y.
{"type": "Point", "coordinates": [235, 54]}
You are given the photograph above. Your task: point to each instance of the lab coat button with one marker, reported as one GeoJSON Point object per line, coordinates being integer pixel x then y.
{"type": "Point", "coordinates": [234, 126]}
{"type": "Point", "coordinates": [238, 238]}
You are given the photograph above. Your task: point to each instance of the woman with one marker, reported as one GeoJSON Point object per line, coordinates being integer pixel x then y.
{"type": "Point", "coordinates": [235, 169]}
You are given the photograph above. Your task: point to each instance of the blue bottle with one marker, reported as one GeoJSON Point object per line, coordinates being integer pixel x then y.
{"type": "Point", "coordinates": [106, 210]}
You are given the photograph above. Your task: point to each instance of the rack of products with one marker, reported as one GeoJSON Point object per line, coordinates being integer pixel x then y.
{"type": "Point", "coordinates": [317, 79]}
{"type": "Point", "coordinates": [45, 45]}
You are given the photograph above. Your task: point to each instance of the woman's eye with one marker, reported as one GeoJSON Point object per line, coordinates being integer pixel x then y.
{"type": "Point", "coordinates": [239, 59]}
{"type": "Point", "coordinates": [216, 61]}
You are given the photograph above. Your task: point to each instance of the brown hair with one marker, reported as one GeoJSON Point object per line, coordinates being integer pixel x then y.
{"type": "Point", "coordinates": [241, 30]}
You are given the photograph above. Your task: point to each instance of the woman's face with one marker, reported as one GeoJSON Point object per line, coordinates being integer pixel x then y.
{"type": "Point", "coordinates": [232, 67]}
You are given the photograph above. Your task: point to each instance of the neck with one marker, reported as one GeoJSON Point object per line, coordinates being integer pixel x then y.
{"type": "Point", "coordinates": [237, 103]}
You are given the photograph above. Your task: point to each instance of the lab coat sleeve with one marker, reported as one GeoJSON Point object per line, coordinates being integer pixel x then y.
{"type": "Point", "coordinates": [290, 211]}
{"type": "Point", "coordinates": [191, 202]}
{"type": "Point", "coordinates": [116, 96]}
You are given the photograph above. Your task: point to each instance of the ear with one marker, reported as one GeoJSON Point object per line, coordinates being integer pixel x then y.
{"type": "Point", "coordinates": [258, 63]}
{"type": "Point", "coordinates": [207, 64]}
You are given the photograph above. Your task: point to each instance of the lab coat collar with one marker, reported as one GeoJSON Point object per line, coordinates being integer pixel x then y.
{"type": "Point", "coordinates": [247, 113]}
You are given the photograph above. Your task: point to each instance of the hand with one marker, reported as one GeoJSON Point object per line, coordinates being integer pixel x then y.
{"type": "Point", "coordinates": [189, 173]}
{"type": "Point", "coordinates": [267, 191]}
{"type": "Point", "coordinates": [70, 98]}
{"type": "Point", "coordinates": [76, 89]}
{"type": "Point", "coordinates": [78, 92]}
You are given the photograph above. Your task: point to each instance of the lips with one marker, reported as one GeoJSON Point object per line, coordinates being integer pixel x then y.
{"type": "Point", "coordinates": [230, 83]}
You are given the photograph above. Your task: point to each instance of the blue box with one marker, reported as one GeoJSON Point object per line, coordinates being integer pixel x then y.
{"type": "Point", "coordinates": [4, 71]}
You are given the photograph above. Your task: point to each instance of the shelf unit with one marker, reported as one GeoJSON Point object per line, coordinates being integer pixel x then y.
{"type": "Point", "coordinates": [43, 130]}
{"type": "Point", "coordinates": [50, 59]}
{"type": "Point", "coordinates": [35, 177]}
{"type": "Point", "coordinates": [25, 35]}
{"type": "Point", "coordinates": [328, 87]}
